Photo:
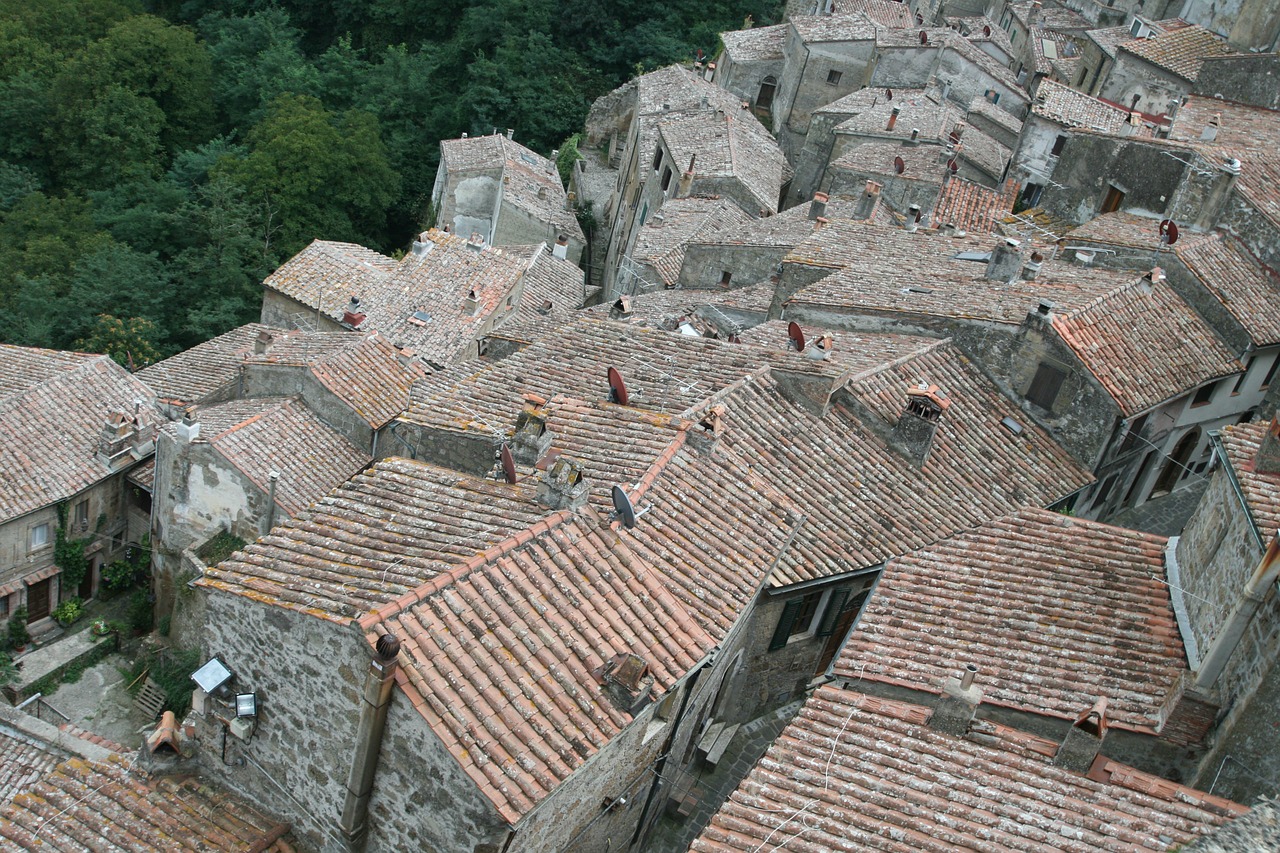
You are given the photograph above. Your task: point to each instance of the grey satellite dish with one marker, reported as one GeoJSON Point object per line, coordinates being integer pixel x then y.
{"type": "Point", "coordinates": [508, 463]}
{"type": "Point", "coordinates": [623, 508]}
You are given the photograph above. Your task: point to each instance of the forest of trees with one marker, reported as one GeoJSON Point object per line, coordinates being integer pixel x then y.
{"type": "Point", "coordinates": [158, 159]}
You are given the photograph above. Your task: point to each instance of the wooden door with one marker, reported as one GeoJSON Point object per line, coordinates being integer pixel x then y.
{"type": "Point", "coordinates": [38, 600]}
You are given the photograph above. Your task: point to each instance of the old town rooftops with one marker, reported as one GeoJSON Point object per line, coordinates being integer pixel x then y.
{"type": "Point", "coordinates": [857, 772]}
{"type": "Point", "coordinates": [205, 368]}
{"type": "Point", "coordinates": [1245, 287]}
{"type": "Point", "coordinates": [1055, 611]}
{"type": "Point", "coordinates": [1261, 489]}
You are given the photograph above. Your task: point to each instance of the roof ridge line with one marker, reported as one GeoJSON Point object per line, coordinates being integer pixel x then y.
{"type": "Point", "coordinates": [759, 373]}
{"type": "Point", "coordinates": [659, 465]}
{"type": "Point", "coordinates": [455, 573]}
{"type": "Point", "coordinates": [897, 362]}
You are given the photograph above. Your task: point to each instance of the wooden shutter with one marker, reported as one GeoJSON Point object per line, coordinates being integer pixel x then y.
{"type": "Point", "coordinates": [835, 604]}
{"type": "Point", "coordinates": [783, 632]}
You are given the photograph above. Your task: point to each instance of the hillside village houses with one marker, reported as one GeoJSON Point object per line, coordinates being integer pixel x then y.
{"type": "Point", "coordinates": [804, 501]}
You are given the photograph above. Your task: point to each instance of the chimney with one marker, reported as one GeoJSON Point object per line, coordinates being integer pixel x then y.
{"type": "Point", "coordinates": [867, 202]}
{"type": "Point", "coordinates": [471, 305]}
{"type": "Point", "coordinates": [511, 133]}
{"type": "Point", "coordinates": [621, 308]}
{"type": "Point", "coordinates": [1006, 262]}
{"type": "Point", "coordinates": [352, 315]}
{"type": "Point", "coordinates": [1032, 267]}
{"type": "Point", "coordinates": [711, 427]}
{"type": "Point", "coordinates": [167, 738]}
{"type": "Point", "coordinates": [821, 349]}
{"type": "Point", "coordinates": [188, 428]}
{"type": "Point", "coordinates": [1268, 459]}
{"type": "Point", "coordinates": [563, 486]}
{"type": "Point", "coordinates": [1084, 739]}
{"type": "Point", "coordinates": [958, 703]}
{"type": "Point", "coordinates": [820, 223]}
{"type": "Point", "coordinates": [893, 117]}
{"type": "Point", "coordinates": [686, 180]}
{"type": "Point", "coordinates": [115, 440]}
{"type": "Point", "coordinates": [374, 703]}
{"type": "Point", "coordinates": [915, 136]}
{"type": "Point", "coordinates": [532, 439]}
{"type": "Point", "coordinates": [1040, 316]}
{"type": "Point", "coordinates": [912, 435]}
{"type": "Point", "coordinates": [262, 343]}
{"type": "Point", "coordinates": [542, 192]}
{"type": "Point", "coordinates": [561, 248]}
{"type": "Point", "coordinates": [627, 680]}
{"type": "Point", "coordinates": [818, 207]}
{"type": "Point", "coordinates": [912, 221]}
{"type": "Point", "coordinates": [1210, 131]}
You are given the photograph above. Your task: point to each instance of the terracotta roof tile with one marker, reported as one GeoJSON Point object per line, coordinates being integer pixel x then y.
{"type": "Point", "coordinates": [52, 421]}
{"type": "Point", "coordinates": [813, 29]}
{"type": "Point", "coordinates": [1055, 611]}
{"type": "Point", "coordinates": [868, 112]}
{"type": "Point", "coordinates": [1129, 230]}
{"type": "Point", "coordinates": [1249, 134]}
{"type": "Point", "coordinates": [726, 145]}
{"type": "Point", "coordinates": [1071, 108]}
{"type": "Point", "coordinates": [760, 44]}
{"type": "Point", "coordinates": [661, 242]}
{"type": "Point", "coordinates": [86, 805]}
{"type": "Point", "coordinates": [1248, 290]}
{"type": "Point", "coordinates": [887, 13]}
{"type": "Point", "coordinates": [193, 374]}
{"type": "Point", "coordinates": [1050, 15]}
{"type": "Point", "coordinates": [1145, 345]}
{"type": "Point", "coordinates": [1261, 491]}
{"type": "Point", "coordinates": [1181, 51]}
{"type": "Point", "coordinates": [981, 28]}
{"type": "Point", "coordinates": [972, 207]}
{"type": "Point", "coordinates": [856, 773]}
{"type": "Point", "coordinates": [554, 280]}
{"type": "Point", "coordinates": [280, 434]}
{"type": "Point", "coordinates": [24, 761]}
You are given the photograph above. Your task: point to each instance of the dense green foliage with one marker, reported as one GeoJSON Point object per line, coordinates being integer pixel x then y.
{"type": "Point", "coordinates": [158, 159]}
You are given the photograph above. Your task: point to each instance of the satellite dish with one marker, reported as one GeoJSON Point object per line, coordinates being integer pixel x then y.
{"type": "Point", "coordinates": [796, 334]}
{"type": "Point", "coordinates": [953, 166]}
{"type": "Point", "coordinates": [954, 137]}
{"type": "Point", "coordinates": [986, 30]}
{"type": "Point", "coordinates": [508, 463]}
{"type": "Point", "coordinates": [899, 165]}
{"type": "Point", "coordinates": [623, 508]}
{"type": "Point", "coordinates": [888, 94]}
{"type": "Point", "coordinates": [1168, 232]}
{"type": "Point", "coordinates": [617, 388]}
{"type": "Point", "coordinates": [924, 37]}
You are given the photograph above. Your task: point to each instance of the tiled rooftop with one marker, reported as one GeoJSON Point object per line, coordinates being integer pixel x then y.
{"type": "Point", "coordinates": [661, 242]}
{"type": "Point", "coordinates": [85, 805]}
{"type": "Point", "coordinates": [1052, 48]}
{"type": "Point", "coordinates": [869, 111]}
{"type": "Point", "coordinates": [888, 270]}
{"type": "Point", "coordinates": [1249, 134]}
{"type": "Point", "coordinates": [984, 152]}
{"type": "Point", "coordinates": [498, 655]}
{"type": "Point", "coordinates": [1246, 288]}
{"type": "Point", "coordinates": [727, 145]}
{"type": "Point", "coordinates": [823, 28]}
{"type": "Point", "coordinates": [1129, 230]}
{"type": "Point", "coordinates": [981, 28]}
{"type": "Point", "coordinates": [982, 107]}
{"type": "Point", "coordinates": [972, 207]}
{"type": "Point", "coordinates": [761, 44]}
{"type": "Point", "coordinates": [1181, 51]}
{"type": "Point", "coordinates": [52, 419]}
{"type": "Point", "coordinates": [1050, 15]}
{"type": "Point", "coordinates": [864, 501]}
{"type": "Point", "coordinates": [887, 13]}
{"type": "Point", "coordinates": [280, 434]}
{"type": "Point", "coordinates": [363, 371]}
{"type": "Point", "coordinates": [783, 230]}
{"type": "Point", "coordinates": [1261, 491]}
{"type": "Point", "coordinates": [676, 88]}
{"type": "Point", "coordinates": [1145, 344]}
{"type": "Point", "coordinates": [382, 534]}
{"type": "Point", "coordinates": [1055, 611]}
{"type": "Point", "coordinates": [554, 280]}
{"type": "Point", "coordinates": [853, 772]}
{"type": "Point", "coordinates": [326, 273]}
{"type": "Point", "coordinates": [920, 163]}
{"type": "Point", "coordinates": [192, 374]}
{"type": "Point", "coordinates": [1066, 106]}
{"type": "Point", "coordinates": [24, 761]}
{"type": "Point", "coordinates": [850, 354]}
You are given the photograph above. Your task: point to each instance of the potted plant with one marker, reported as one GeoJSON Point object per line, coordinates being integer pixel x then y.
{"type": "Point", "coordinates": [18, 634]}
{"type": "Point", "coordinates": [100, 628]}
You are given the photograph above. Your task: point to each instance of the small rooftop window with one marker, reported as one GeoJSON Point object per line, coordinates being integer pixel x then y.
{"type": "Point", "coordinates": [981, 257]}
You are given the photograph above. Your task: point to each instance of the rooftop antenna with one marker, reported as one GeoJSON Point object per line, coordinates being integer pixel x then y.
{"type": "Point", "coordinates": [617, 388]}
{"type": "Point", "coordinates": [796, 335]}
{"type": "Point", "coordinates": [624, 509]}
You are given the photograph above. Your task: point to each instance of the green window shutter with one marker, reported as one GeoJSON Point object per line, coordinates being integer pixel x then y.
{"type": "Point", "coordinates": [783, 632]}
{"type": "Point", "coordinates": [834, 607]}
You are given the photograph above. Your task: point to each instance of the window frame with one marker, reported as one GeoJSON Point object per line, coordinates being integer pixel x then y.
{"type": "Point", "coordinates": [1204, 395]}
{"type": "Point", "coordinates": [1058, 144]}
{"type": "Point", "coordinates": [1042, 377]}
{"type": "Point", "coordinates": [32, 547]}
{"type": "Point", "coordinates": [1271, 373]}
{"type": "Point", "coordinates": [793, 625]}
{"type": "Point", "coordinates": [833, 76]}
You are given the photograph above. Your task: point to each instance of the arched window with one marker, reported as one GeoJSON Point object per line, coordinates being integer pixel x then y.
{"type": "Point", "coordinates": [768, 86]}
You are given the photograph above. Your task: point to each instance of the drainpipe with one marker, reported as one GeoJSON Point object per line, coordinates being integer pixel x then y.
{"type": "Point", "coordinates": [1254, 593]}
{"type": "Point", "coordinates": [374, 703]}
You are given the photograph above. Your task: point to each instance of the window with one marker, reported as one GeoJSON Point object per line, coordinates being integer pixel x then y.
{"type": "Point", "coordinates": [82, 515]}
{"type": "Point", "coordinates": [1107, 485]}
{"type": "Point", "coordinates": [833, 77]}
{"type": "Point", "coordinates": [666, 179]}
{"type": "Point", "coordinates": [1248, 365]}
{"type": "Point", "coordinates": [1046, 385]}
{"type": "Point", "coordinates": [4, 606]}
{"type": "Point", "coordinates": [1058, 145]}
{"type": "Point", "coordinates": [657, 159]}
{"type": "Point", "coordinates": [1271, 374]}
{"type": "Point", "coordinates": [768, 87]}
{"type": "Point", "coordinates": [1135, 429]}
{"type": "Point", "coordinates": [1204, 395]}
{"type": "Point", "coordinates": [39, 536]}
{"type": "Point", "coordinates": [1111, 203]}
{"type": "Point", "coordinates": [725, 275]}
{"type": "Point", "coordinates": [797, 616]}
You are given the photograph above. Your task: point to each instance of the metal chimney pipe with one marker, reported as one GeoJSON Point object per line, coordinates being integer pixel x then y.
{"type": "Point", "coordinates": [374, 703]}
{"type": "Point", "coordinates": [966, 677]}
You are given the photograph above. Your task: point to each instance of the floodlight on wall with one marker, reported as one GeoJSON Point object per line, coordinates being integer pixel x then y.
{"type": "Point", "coordinates": [246, 705]}
{"type": "Point", "coordinates": [212, 676]}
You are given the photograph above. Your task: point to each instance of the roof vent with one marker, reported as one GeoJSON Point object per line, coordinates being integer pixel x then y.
{"type": "Point", "coordinates": [913, 434]}
{"type": "Point", "coordinates": [627, 680]}
{"type": "Point", "coordinates": [563, 486]}
{"type": "Point", "coordinates": [623, 307]}
{"type": "Point", "coordinates": [188, 428]}
{"type": "Point", "coordinates": [476, 241]}
{"type": "Point", "coordinates": [958, 703]}
{"type": "Point", "coordinates": [1084, 739]}
{"type": "Point", "coordinates": [1231, 166]}
{"type": "Point", "coordinates": [818, 207]}
{"type": "Point", "coordinates": [471, 305]}
{"type": "Point", "coordinates": [532, 439]}
{"type": "Point", "coordinates": [263, 342]}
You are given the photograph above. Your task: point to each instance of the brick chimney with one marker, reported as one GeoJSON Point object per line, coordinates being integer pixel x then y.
{"type": "Point", "coordinates": [912, 435]}
{"type": "Point", "coordinates": [532, 439]}
{"type": "Point", "coordinates": [263, 342]}
{"type": "Point", "coordinates": [1006, 262]}
{"type": "Point", "coordinates": [1084, 739]}
{"type": "Point", "coordinates": [352, 316]}
{"type": "Point", "coordinates": [867, 202]}
{"type": "Point", "coordinates": [561, 248]}
{"type": "Point", "coordinates": [893, 118]}
{"type": "Point", "coordinates": [958, 703]}
{"type": "Point", "coordinates": [563, 486]}
{"type": "Point", "coordinates": [818, 207]}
